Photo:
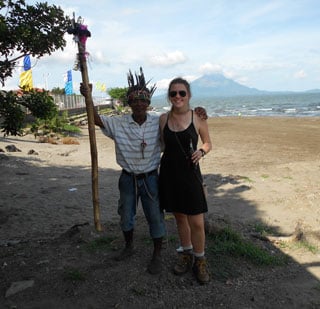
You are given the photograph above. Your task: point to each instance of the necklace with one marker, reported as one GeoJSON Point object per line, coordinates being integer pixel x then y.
{"type": "Point", "coordinates": [143, 144]}
{"type": "Point", "coordinates": [139, 121]}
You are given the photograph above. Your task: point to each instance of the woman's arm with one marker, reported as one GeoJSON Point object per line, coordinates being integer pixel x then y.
{"type": "Point", "coordinates": [162, 123]}
{"type": "Point", "coordinates": [203, 130]}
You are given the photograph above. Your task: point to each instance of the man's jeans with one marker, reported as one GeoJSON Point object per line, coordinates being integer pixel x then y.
{"type": "Point", "coordinates": [146, 189]}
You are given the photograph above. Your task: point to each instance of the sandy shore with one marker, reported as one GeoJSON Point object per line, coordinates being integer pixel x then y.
{"type": "Point", "coordinates": [262, 170]}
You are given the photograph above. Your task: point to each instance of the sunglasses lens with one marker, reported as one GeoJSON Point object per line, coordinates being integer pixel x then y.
{"type": "Point", "coordinates": [173, 94]}
{"type": "Point", "coordinates": [182, 93]}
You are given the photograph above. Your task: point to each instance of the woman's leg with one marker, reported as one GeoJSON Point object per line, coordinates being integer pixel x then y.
{"type": "Point", "coordinates": [200, 266]}
{"type": "Point", "coordinates": [197, 231]}
{"type": "Point", "coordinates": [183, 230]}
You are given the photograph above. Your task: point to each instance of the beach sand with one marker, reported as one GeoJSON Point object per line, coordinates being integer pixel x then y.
{"type": "Point", "coordinates": [261, 171]}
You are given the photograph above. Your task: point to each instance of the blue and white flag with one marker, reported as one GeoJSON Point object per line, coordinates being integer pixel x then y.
{"type": "Point", "coordinates": [68, 88]}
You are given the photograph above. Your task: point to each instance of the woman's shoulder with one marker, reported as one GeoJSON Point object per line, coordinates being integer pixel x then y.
{"type": "Point", "coordinates": [163, 119]}
{"type": "Point", "coordinates": [164, 116]}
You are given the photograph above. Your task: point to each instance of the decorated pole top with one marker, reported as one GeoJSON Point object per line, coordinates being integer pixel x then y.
{"type": "Point", "coordinates": [79, 30]}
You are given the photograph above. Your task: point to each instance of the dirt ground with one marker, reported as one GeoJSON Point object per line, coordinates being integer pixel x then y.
{"type": "Point", "coordinates": [262, 172]}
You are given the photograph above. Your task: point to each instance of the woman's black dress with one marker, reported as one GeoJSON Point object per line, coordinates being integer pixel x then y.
{"type": "Point", "coordinates": [180, 181]}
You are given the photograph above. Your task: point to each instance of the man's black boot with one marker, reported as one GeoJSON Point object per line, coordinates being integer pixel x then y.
{"type": "Point", "coordinates": [128, 249]}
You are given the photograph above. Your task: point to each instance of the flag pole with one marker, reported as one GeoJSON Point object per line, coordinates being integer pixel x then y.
{"type": "Point", "coordinates": [81, 33]}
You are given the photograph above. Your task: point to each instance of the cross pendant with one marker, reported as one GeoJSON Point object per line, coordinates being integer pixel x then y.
{"type": "Point", "coordinates": [143, 146]}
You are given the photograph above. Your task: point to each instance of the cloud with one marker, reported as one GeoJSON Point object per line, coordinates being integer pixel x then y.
{"type": "Point", "coordinates": [163, 84]}
{"type": "Point", "coordinates": [210, 68]}
{"type": "Point", "coordinates": [168, 59]}
{"type": "Point", "coordinates": [129, 11]}
{"type": "Point", "coordinates": [100, 58]}
{"type": "Point", "coordinates": [300, 74]}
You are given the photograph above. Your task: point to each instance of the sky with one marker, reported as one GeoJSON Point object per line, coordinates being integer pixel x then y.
{"type": "Point", "coordinates": [265, 44]}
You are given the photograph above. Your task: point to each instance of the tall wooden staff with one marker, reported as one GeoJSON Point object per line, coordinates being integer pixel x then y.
{"type": "Point", "coordinates": [81, 34]}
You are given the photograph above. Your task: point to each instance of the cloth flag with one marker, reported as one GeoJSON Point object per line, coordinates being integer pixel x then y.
{"type": "Point", "coordinates": [26, 75]}
{"type": "Point", "coordinates": [101, 87]}
{"type": "Point", "coordinates": [68, 88]}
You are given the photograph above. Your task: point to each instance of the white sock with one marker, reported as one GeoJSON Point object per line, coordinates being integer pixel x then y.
{"type": "Point", "coordinates": [198, 255]}
{"type": "Point", "coordinates": [188, 248]}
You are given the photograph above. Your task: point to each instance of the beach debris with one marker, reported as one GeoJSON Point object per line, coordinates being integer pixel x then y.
{"type": "Point", "coordinates": [19, 286]}
{"type": "Point", "coordinates": [75, 229]}
{"type": "Point", "coordinates": [8, 243]}
{"type": "Point", "coordinates": [1, 150]}
{"type": "Point", "coordinates": [33, 152]}
{"type": "Point", "coordinates": [66, 154]}
{"type": "Point", "coordinates": [70, 141]}
{"type": "Point", "coordinates": [73, 189]}
{"type": "Point", "coordinates": [47, 139]}
{"type": "Point", "coordinates": [12, 148]}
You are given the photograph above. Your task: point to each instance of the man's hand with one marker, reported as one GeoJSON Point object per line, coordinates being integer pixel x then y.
{"type": "Point", "coordinates": [201, 112]}
{"type": "Point", "coordinates": [85, 90]}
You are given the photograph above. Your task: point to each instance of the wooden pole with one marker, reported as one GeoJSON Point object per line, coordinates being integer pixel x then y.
{"type": "Point", "coordinates": [92, 136]}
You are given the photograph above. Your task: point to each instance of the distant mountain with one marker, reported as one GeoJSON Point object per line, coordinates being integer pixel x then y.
{"type": "Point", "coordinates": [313, 91]}
{"type": "Point", "coordinates": [218, 85]}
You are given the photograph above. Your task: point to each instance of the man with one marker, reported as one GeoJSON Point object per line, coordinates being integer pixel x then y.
{"type": "Point", "coordinates": [137, 145]}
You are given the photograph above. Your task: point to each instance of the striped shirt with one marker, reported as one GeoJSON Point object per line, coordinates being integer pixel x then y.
{"type": "Point", "coordinates": [128, 136]}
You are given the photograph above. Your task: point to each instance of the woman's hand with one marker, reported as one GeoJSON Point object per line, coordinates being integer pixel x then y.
{"type": "Point", "coordinates": [197, 155]}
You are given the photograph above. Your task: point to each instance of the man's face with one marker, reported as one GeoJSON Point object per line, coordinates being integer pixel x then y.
{"type": "Point", "coordinates": [139, 107]}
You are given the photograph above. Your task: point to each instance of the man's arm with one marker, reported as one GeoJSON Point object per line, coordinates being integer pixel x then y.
{"type": "Point", "coordinates": [201, 112]}
{"type": "Point", "coordinates": [85, 91]}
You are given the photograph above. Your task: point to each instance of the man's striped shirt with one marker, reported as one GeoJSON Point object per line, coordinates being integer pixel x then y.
{"type": "Point", "coordinates": [128, 136]}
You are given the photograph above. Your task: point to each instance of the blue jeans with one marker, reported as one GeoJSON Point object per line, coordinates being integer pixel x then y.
{"type": "Point", "coordinates": [146, 189]}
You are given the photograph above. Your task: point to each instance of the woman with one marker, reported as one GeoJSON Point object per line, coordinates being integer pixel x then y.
{"type": "Point", "coordinates": [181, 187]}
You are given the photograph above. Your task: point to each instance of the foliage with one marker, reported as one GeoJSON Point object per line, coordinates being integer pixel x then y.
{"type": "Point", "coordinates": [58, 91]}
{"type": "Point", "coordinates": [228, 242]}
{"type": "Point", "coordinates": [102, 243]}
{"type": "Point", "coordinates": [118, 94]}
{"type": "Point", "coordinates": [74, 275]}
{"type": "Point", "coordinates": [56, 124]}
{"type": "Point", "coordinates": [29, 29]}
{"type": "Point", "coordinates": [13, 108]}
{"type": "Point", "coordinates": [11, 113]}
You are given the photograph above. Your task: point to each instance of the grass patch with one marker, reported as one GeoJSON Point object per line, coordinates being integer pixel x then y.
{"type": "Point", "coordinates": [138, 291]}
{"type": "Point", "coordinates": [301, 244]}
{"type": "Point", "coordinates": [263, 229]}
{"type": "Point", "coordinates": [287, 177]}
{"type": "Point", "coordinates": [69, 128]}
{"type": "Point", "coordinates": [228, 242]}
{"type": "Point", "coordinates": [74, 275]}
{"type": "Point", "coordinates": [101, 243]}
{"type": "Point", "coordinates": [172, 238]}
{"type": "Point", "coordinates": [247, 179]}
{"type": "Point", "coordinates": [264, 176]}
{"type": "Point", "coordinates": [317, 287]}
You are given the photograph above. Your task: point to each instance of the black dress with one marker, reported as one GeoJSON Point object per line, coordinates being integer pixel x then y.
{"type": "Point", "coordinates": [180, 181]}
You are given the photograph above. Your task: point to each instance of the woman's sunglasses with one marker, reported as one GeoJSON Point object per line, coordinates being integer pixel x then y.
{"type": "Point", "coordinates": [182, 93]}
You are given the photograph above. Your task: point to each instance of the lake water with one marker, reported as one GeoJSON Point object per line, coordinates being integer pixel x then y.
{"type": "Point", "coordinates": [288, 105]}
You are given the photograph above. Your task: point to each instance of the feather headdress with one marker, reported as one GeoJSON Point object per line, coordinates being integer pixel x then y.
{"type": "Point", "coordinates": [138, 89]}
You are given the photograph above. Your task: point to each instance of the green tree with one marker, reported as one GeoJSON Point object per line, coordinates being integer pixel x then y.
{"type": "Point", "coordinates": [29, 29]}
{"type": "Point", "coordinates": [25, 29]}
{"type": "Point", "coordinates": [14, 107]}
{"type": "Point", "coordinates": [119, 94]}
{"type": "Point", "coordinates": [57, 90]}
